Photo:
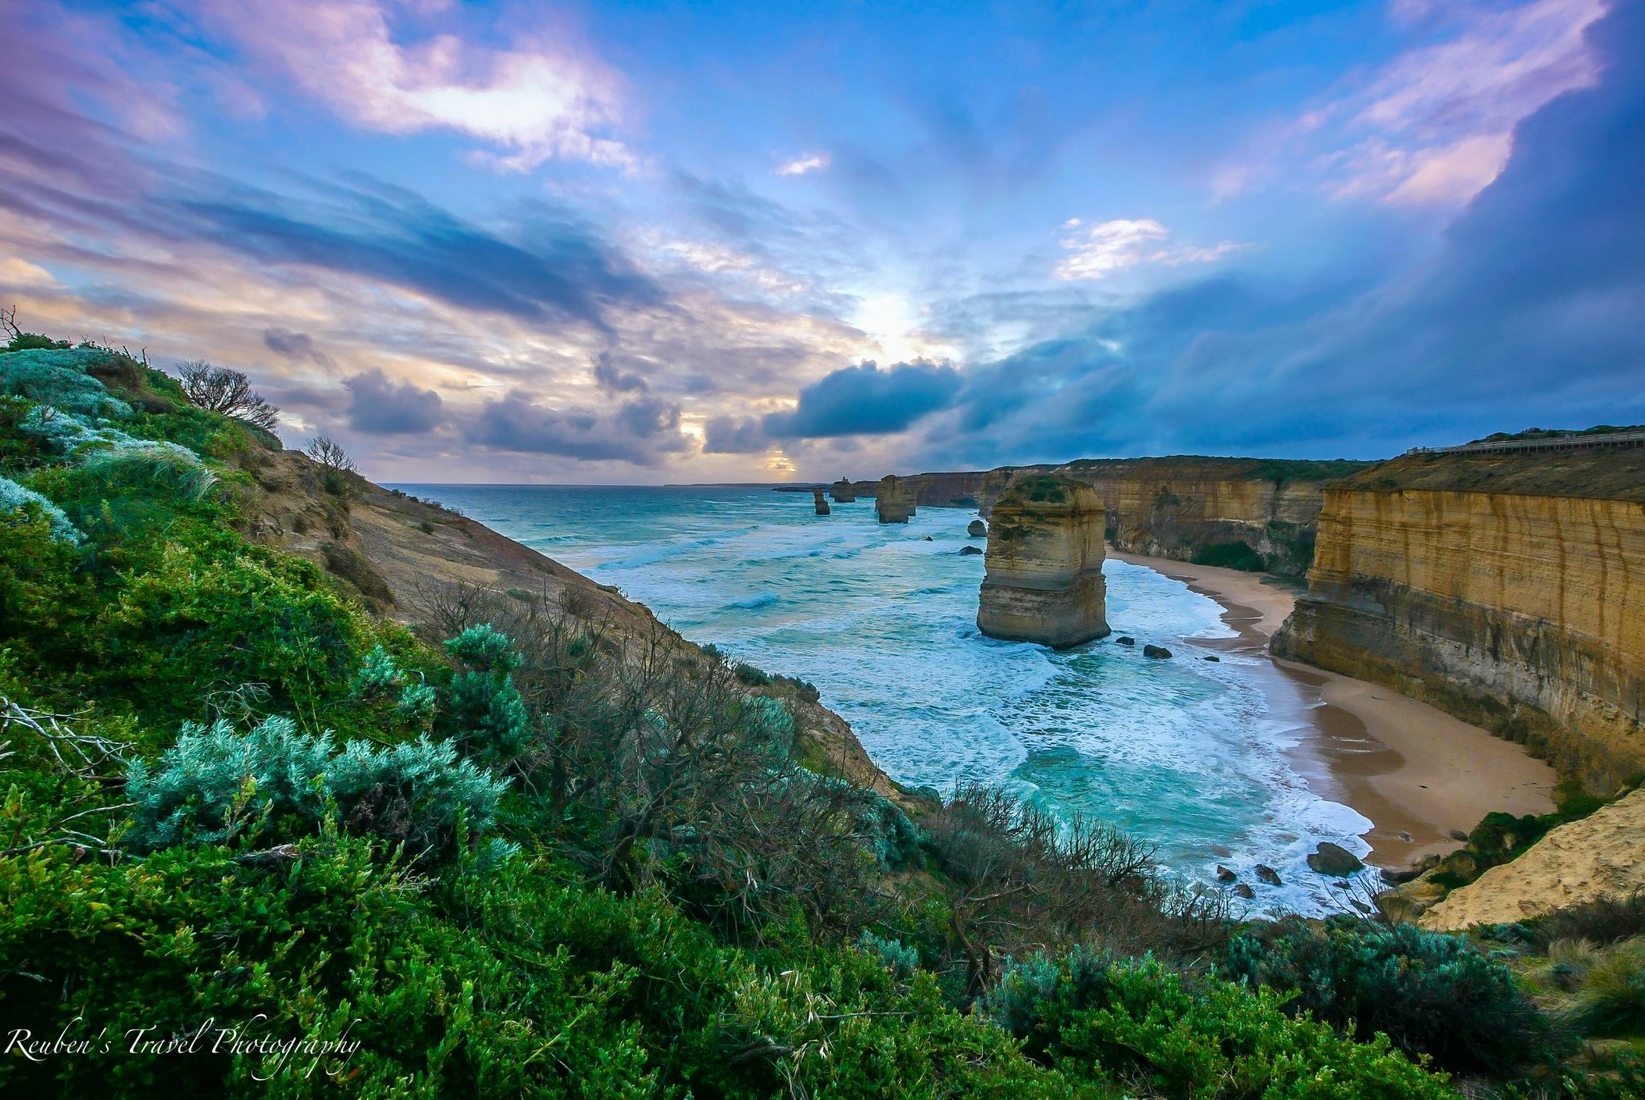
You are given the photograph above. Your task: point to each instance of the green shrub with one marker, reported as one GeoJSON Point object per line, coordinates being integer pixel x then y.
{"type": "Point", "coordinates": [58, 377]}
{"type": "Point", "coordinates": [215, 785]}
{"type": "Point", "coordinates": [752, 676]}
{"type": "Point", "coordinates": [1168, 1035]}
{"type": "Point", "coordinates": [1430, 992]}
{"type": "Point", "coordinates": [900, 960]}
{"type": "Point", "coordinates": [1609, 998]}
{"type": "Point", "coordinates": [1601, 921]}
{"type": "Point", "coordinates": [16, 499]}
{"type": "Point", "coordinates": [486, 709]}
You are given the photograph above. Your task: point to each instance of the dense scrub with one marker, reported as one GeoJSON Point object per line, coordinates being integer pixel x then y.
{"type": "Point", "coordinates": [515, 853]}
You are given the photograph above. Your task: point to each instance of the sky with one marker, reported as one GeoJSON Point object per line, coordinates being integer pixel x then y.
{"type": "Point", "coordinates": [693, 242]}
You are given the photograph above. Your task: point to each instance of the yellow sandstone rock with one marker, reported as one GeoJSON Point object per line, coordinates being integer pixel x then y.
{"type": "Point", "coordinates": [1510, 605]}
{"type": "Point", "coordinates": [1601, 855]}
{"type": "Point", "coordinates": [1044, 578]}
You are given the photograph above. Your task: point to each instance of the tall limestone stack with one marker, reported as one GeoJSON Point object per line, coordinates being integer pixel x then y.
{"type": "Point", "coordinates": [817, 499]}
{"type": "Point", "coordinates": [894, 500]}
{"type": "Point", "coordinates": [842, 492]}
{"type": "Point", "coordinates": [1044, 566]}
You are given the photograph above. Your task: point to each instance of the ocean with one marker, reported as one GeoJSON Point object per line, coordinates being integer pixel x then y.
{"type": "Point", "coordinates": [1195, 757]}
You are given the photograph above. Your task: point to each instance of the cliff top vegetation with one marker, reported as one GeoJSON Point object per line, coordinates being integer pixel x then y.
{"type": "Point", "coordinates": [1604, 473]}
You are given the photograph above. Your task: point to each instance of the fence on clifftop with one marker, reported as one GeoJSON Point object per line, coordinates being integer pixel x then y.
{"type": "Point", "coordinates": [1573, 441]}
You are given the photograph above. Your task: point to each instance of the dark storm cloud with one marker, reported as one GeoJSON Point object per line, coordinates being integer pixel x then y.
{"type": "Point", "coordinates": [865, 400]}
{"type": "Point", "coordinates": [1532, 312]}
{"type": "Point", "coordinates": [613, 379]}
{"type": "Point", "coordinates": [296, 346]}
{"type": "Point", "coordinates": [548, 268]}
{"type": "Point", "coordinates": [642, 431]}
{"type": "Point", "coordinates": [382, 406]}
{"type": "Point", "coordinates": [735, 435]}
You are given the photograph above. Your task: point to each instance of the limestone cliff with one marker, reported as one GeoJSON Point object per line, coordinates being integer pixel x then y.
{"type": "Point", "coordinates": [1044, 578]}
{"type": "Point", "coordinates": [1506, 589]}
{"type": "Point", "coordinates": [842, 492]}
{"type": "Point", "coordinates": [408, 558]}
{"type": "Point", "coordinates": [1246, 512]}
{"type": "Point", "coordinates": [1599, 856]}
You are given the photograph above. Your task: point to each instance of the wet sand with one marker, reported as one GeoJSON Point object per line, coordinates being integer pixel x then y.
{"type": "Point", "coordinates": [1416, 772]}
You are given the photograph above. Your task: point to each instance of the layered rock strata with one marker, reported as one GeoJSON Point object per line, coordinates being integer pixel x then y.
{"type": "Point", "coordinates": [842, 492]}
{"type": "Point", "coordinates": [893, 500]}
{"type": "Point", "coordinates": [1044, 578]}
{"type": "Point", "coordinates": [818, 501]}
{"type": "Point", "coordinates": [1508, 590]}
{"type": "Point", "coordinates": [1245, 512]}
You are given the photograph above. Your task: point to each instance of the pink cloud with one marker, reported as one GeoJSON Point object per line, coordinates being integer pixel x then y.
{"type": "Point", "coordinates": [1435, 124]}
{"type": "Point", "coordinates": [536, 99]}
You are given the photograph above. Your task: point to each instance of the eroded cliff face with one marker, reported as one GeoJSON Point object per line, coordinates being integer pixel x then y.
{"type": "Point", "coordinates": [1044, 578]}
{"type": "Point", "coordinates": [1579, 862]}
{"type": "Point", "coordinates": [1248, 513]}
{"type": "Point", "coordinates": [1503, 590]}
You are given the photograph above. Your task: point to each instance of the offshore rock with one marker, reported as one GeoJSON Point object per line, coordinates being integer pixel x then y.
{"type": "Point", "coordinates": [1125, 639]}
{"type": "Point", "coordinates": [893, 500]}
{"type": "Point", "coordinates": [842, 492]}
{"type": "Point", "coordinates": [1267, 874]}
{"type": "Point", "coordinates": [1158, 652]}
{"type": "Point", "coordinates": [1044, 578]}
{"type": "Point", "coordinates": [967, 550]}
{"type": "Point", "coordinates": [1334, 859]}
{"type": "Point", "coordinates": [977, 529]}
{"type": "Point", "coordinates": [817, 499]}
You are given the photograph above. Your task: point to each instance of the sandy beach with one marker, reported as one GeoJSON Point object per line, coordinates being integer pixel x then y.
{"type": "Point", "coordinates": [1416, 772]}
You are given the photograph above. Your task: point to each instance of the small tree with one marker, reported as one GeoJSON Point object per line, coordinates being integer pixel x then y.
{"type": "Point", "coordinates": [220, 390]}
{"type": "Point", "coordinates": [330, 455]}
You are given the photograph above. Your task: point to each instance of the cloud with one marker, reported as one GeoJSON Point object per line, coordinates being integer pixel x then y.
{"type": "Point", "coordinates": [642, 431]}
{"type": "Point", "coordinates": [1110, 247]}
{"type": "Point", "coordinates": [296, 346]}
{"type": "Point", "coordinates": [805, 162]}
{"type": "Point", "coordinates": [735, 435]}
{"type": "Point", "coordinates": [610, 378]}
{"type": "Point", "coordinates": [549, 267]}
{"type": "Point", "coordinates": [865, 400]}
{"type": "Point", "coordinates": [1532, 311]}
{"type": "Point", "coordinates": [1433, 125]}
{"type": "Point", "coordinates": [382, 406]}
{"type": "Point", "coordinates": [367, 61]}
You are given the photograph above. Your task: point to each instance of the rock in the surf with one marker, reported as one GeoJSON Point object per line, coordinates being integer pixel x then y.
{"type": "Point", "coordinates": [1044, 578]}
{"type": "Point", "coordinates": [1334, 859]}
{"type": "Point", "coordinates": [893, 500]}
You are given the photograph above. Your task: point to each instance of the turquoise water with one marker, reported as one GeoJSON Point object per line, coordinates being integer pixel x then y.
{"type": "Point", "coordinates": [1191, 755]}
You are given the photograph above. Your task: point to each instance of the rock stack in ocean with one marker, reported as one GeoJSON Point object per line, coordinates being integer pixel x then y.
{"type": "Point", "coordinates": [977, 529]}
{"type": "Point", "coordinates": [894, 500]}
{"type": "Point", "coordinates": [1044, 566]}
{"type": "Point", "coordinates": [817, 499]}
{"type": "Point", "coordinates": [842, 492]}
